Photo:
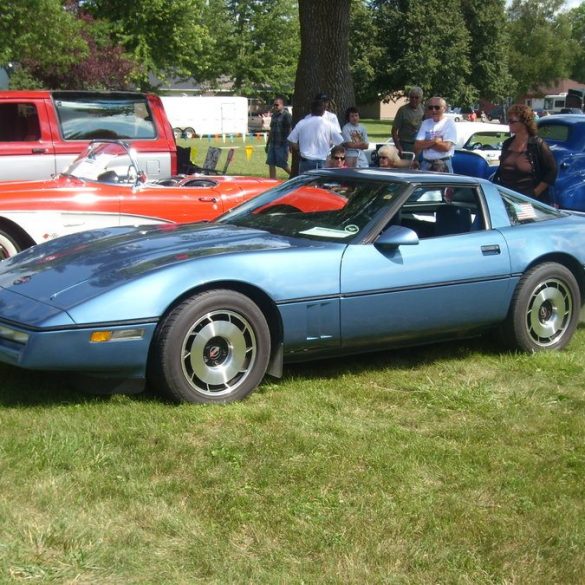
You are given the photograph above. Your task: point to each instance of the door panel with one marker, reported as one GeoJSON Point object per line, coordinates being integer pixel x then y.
{"type": "Point", "coordinates": [441, 284]}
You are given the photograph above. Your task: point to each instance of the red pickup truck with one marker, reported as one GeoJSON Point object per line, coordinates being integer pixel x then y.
{"type": "Point", "coordinates": [41, 132]}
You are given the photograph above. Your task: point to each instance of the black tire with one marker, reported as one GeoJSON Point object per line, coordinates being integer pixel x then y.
{"type": "Point", "coordinates": [178, 133]}
{"type": "Point", "coordinates": [9, 245]}
{"type": "Point", "coordinates": [545, 309]}
{"type": "Point", "coordinates": [189, 133]}
{"type": "Point", "coordinates": [213, 347]}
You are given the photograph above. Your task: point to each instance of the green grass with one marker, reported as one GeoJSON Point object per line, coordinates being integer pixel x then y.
{"type": "Point", "coordinates": [253, 162]}
{"type": "Point", "coordinates": [451, 463]}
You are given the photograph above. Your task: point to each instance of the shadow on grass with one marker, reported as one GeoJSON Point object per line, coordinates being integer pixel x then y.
{"type": "Point", "coordinates": [28, 388]}
{"type": "Point", "coordinates": [22, 388]}
{"type": "Point", "coordinates": [394, 359]}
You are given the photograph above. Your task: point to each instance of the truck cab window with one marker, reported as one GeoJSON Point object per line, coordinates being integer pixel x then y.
{"type": "Point", "coordinates": [19, 122]}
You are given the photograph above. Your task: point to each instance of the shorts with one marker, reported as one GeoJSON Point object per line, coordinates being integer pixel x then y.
{"type": "Point", "coordinates": [277, 156]}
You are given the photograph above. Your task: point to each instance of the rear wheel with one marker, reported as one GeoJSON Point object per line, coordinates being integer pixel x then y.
{"type": "Point", "coordinates": [189, 133]}
{"type": "Point", "coordinates": [9, 246]}
{"type": "Point", "coordinates": [213, 347]}
{"type": "Point", "coordinates": [178, 133]}
{"type": "Point", "coordinates": [545, 309]}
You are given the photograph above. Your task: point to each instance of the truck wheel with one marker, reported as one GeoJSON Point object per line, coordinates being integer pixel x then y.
{"type": "Point", "coordinates": [8, 245]}
{"type": "Point", "coordinates": [178, 133]}
{"type": "Point", "coordinates": [213, 347]}
{"type": "Point", "coordinates": [189, 133]}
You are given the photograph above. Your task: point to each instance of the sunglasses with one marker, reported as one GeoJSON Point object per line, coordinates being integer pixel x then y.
{"type": "Point", "coordinates": [275, 105]}
{"type": "Point", "coordinates": [431, 107]}
{"type": "Point", "coordinates": [383, 157]}
{"type": "Point", "coordinates": [339, 157]}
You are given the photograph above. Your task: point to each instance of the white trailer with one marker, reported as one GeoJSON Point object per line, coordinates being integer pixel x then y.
{"type": "Point", "coordinates": [192, 116]}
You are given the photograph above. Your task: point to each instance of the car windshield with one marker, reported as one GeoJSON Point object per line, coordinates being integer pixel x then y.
{"type": "Point", "coordinates": [106, 162]}
{"type": "Point", "coordinates": [326, 208]}
{"type": "Point", "coordinates": [554, 132]}
{"type": "Point", "coordinates": [486, 141]}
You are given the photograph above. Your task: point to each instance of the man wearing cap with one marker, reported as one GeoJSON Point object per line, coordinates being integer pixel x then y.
{"type": "Point", "coordinates": [313, 137]}
{"type": "Point", "coordinates": [407, 121]}
{"type": "Point", "coordinates": [437, 136]}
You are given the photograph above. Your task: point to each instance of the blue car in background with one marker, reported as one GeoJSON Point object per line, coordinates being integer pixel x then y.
{"type": "Point", "coordinates": [330, 263]}
{"type": "Point", "coordinates": [565, 134]}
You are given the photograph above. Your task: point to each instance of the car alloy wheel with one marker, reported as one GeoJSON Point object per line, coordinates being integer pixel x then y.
{"type": "Point", "coordinates": [213, 347]}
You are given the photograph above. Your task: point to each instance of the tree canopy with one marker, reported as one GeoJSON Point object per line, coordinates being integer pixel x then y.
{"type": "Point", "coordinates": [461, 49]}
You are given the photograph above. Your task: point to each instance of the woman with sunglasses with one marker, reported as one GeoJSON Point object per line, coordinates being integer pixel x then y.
{"type": "Point", "coordinates": [526, 164]}
{"type": "Point", "coordinates": [436, 137]}
{"type": "Point", "coordinates": [337, 157]}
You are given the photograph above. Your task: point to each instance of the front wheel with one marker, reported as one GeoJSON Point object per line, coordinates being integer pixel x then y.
{"type": "Point", "coordinates": [545, 309]}
{"type": "Point", "coordinates": [213, 347]}
{"type": "Point", "coordinates": [8, 245]}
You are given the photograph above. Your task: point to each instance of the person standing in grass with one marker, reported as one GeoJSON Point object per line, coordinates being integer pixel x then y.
{"type": "Point", "coordinates": [313, 137]}
{"type": "Point", "coordinates": [407, 121]}
{"type": "Point", "coordinates": [277, 145]}
{"type": "Point", "coordinates": [356, 139]}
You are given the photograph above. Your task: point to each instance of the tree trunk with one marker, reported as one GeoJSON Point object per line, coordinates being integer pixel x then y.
{"type": "Point", "coordinates": [324, 60]}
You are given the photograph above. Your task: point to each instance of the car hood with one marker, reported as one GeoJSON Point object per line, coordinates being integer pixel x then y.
{"type": "Point", "coordinates": [105, 259]}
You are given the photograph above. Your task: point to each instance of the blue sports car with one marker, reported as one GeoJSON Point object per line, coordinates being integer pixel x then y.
{"type": "Point", "coordinates": [332, 262]}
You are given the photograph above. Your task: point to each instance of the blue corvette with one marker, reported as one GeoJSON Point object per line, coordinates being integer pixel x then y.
{"type": "Point", "coordinates": [329, 263]}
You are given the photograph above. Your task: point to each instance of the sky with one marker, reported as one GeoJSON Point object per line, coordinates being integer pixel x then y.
{"type": "Point", "coordinates": [568, 3]}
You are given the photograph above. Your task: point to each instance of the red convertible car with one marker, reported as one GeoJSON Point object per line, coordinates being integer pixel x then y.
{"type": "Point", "coordinates": [103, 188]}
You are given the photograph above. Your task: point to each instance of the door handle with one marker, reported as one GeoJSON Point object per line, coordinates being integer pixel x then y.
{"type": "Point", "coordinates": [490, 250]}
{"type": "Point", "coordinates": [208, 199]}
{"type": "Point", "coordinates": [39, 150]}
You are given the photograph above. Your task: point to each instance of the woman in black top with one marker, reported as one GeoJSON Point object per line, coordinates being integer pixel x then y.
{"type": "Point", "coordinates": [526, 164]}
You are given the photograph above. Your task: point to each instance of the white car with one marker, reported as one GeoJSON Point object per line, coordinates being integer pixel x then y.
{"type": "Point", "coordinates": [483, 138]}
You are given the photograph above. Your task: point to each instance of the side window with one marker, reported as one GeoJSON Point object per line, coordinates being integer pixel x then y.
{"type": "Point", "coordinates": [436, 211]}
{"type": "Point", "coordinates": [522, 210]}
{"type": "Point", "coordinates": [19, 122]}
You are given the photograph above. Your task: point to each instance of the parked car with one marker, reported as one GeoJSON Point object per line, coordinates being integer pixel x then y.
{"type": "Point", "coordinates": [565, 134]}
{"type": "Point", "coordinates": [455, 113]}
{"type": "Point", "coordinates": [42, 132]}
{"type": "Point", "coordinates": [478, 148]}
{"type": "Point", "coordinates": [482, 139]}
{"type": "Point", "coordinates": [105, 187]}
{"type": "Point", "coordinates": [498, 113]}
{"type": "Point", "coordinates": [330, 263]}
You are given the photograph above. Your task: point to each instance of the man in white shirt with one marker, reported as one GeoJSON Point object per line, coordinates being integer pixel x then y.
{"type": "Point", "coordinates": [436, 137]}
{"type": "Point", "coordinates": [328, 115]}
{"type": "Point", "coordinates": [313, 137]}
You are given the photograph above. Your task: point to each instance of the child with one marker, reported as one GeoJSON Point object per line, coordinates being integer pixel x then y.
{"type": "Point", "coordinates": [356, 139]}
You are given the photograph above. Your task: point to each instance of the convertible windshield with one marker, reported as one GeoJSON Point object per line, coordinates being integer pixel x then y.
{"type": "Point", "coordinates": [106, 162]}
{"type": "Point", "coordinates": [325, 208]}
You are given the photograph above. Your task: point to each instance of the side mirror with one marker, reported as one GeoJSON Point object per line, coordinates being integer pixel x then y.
{"type": "Point", "coordinates": [395, 236]}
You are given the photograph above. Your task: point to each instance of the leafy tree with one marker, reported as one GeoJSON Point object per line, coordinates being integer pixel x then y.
{"type": "Point", "coordinates": [576, 18]}
{"type": "Point", "coordinates": [425, 44]}
{"type": "Point", "coordinates": [263, 50]}
{"type": "Point", "coordinates": [165, 38]}
{"type": "Point", "coordinates": [486, 23]}
{"type": "Point", "coordinates": [24, 28]}
{"type": "Point", "coordinates": [105, 66]}
{"type": "Point", "coordinates": [541, 48]}
{"type": "Point", "coordinates": [365, 51]}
